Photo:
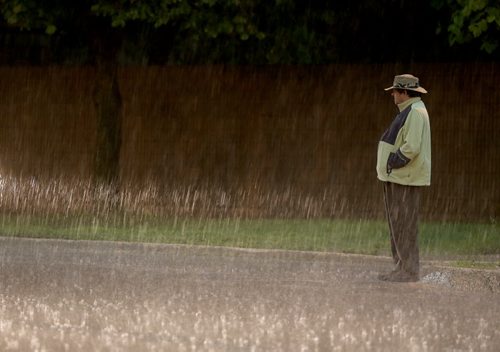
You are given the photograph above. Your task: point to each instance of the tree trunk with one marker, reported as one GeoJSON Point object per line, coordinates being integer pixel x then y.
{"type": "Point", "coordinates": [108, 104]}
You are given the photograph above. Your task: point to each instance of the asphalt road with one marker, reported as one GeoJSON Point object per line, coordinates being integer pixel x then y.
{"type": "Point", "coordinates": [104, 296]}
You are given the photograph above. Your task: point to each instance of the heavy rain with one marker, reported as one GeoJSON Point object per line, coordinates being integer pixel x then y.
{"type": "Point", "coordinates": [221, 195]}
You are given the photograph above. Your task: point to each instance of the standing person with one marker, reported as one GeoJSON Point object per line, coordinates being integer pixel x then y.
{"type": "Point", "coordinates": [404, 166]}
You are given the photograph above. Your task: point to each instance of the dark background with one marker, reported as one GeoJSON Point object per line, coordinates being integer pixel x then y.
{"type": "Point", "coordinates": [297, 32]}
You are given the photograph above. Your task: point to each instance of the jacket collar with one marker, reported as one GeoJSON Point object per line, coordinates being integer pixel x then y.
{"type": "Point", "coordinates": [407, 103]}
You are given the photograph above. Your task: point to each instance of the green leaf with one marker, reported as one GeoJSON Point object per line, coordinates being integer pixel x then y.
{"type": "Point", "coordinates": [12, 19]}
{"type": "Point", "coordinates": [439, 29]}
{"type": "Point", "coordinates": [118, 22]}
{"type": "Point", "coordinates": [477, 28]}
{"type": "Point", "coordinates": [438, 4]}
{"type": "Point", "coordinates": [18, 8]}
{"type": "Point", "coordinates": [50, 29]}
{"type": "Point", "coordinates": [489, 47]}
{"type": "Point", "coordinates": [239, 20]}
{"type": "Point", "coordinates": [477, 5]}
{"type": "Point", "coordinates": [228, 28]}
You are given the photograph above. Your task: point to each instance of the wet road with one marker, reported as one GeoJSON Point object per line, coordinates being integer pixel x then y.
{"type": "Point", "coordinates": [102, 296]}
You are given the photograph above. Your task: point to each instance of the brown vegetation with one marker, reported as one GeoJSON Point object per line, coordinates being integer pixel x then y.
{"type": "Point", "coordinates": [250, 141]}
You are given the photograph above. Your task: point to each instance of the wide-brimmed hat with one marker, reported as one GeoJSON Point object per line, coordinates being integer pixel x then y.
{"type": "Point", "coordinates": [408, 82]}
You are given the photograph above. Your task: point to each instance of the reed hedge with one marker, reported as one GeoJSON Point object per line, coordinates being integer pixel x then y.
{"type": "Point", "coordinates": [266, 141]}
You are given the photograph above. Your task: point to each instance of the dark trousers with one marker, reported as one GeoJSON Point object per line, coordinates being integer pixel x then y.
{"type": "Point", "coordinates": [402, 207]}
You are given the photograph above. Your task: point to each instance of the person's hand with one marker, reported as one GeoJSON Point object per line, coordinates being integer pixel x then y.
{"type": "Point", "coordinates": [396, 161]}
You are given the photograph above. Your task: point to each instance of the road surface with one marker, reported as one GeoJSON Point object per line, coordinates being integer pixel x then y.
{"type": "Point", "coordinates": [107, 296]}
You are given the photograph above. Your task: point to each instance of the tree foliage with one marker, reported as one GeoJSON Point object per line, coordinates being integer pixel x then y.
{"type": "Point", "coordinates": [473, 21]}
{"type": "Point", "coordinates": [193, 19]}
{"type": "Point", "coordinates": [266, 31]}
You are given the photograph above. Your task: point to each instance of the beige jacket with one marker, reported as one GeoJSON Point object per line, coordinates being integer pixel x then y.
{"type": "Point", "coordinates": [404, 151]}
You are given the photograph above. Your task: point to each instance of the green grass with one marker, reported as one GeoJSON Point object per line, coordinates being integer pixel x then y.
{"type": "Point", "coordinates": [475, 264]}
{"type": "Point", "coordinates": [348, 236]}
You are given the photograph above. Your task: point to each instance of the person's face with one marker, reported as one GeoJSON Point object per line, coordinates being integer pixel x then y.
{"type": "Point", "coordinates": [399, 97]}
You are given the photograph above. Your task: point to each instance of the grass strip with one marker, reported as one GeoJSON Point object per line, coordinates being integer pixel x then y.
{"type": "Point", "coordinates": [347, 236]}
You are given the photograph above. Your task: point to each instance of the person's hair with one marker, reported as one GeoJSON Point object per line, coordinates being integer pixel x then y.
{"type": "Point", "coordinates": [411, 93]}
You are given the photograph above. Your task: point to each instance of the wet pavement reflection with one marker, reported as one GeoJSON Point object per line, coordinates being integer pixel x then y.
{"type": "Point", "coordinates": [76, 295]}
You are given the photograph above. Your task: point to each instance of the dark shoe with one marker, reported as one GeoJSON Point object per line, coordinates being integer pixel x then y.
{"type": "Point", "coordinates": [387, 276]}
{"type": "Point", "coordinates": [402, 276]}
